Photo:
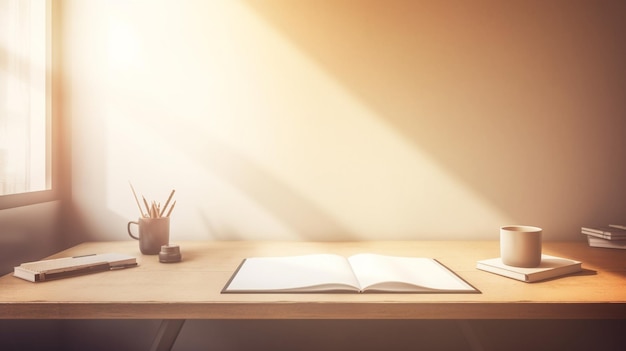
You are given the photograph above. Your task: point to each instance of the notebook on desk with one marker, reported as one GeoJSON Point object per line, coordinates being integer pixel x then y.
{"type": "Point", "coordinates": [365, 272]}
{"type": "Point", "coordinates": [65, 267]}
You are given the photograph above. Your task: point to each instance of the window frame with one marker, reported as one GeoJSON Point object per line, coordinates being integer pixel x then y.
{"type": "Point", "coordinates": [52, 130]}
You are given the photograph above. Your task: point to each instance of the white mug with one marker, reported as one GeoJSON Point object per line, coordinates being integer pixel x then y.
{"type": "Point", "coordinates": [520, 245]}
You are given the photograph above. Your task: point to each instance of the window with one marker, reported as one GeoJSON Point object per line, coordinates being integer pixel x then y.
{"type": "Point", "coordinates": [25, 99]}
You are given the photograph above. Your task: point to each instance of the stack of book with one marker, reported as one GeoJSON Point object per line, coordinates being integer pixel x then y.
{"type": "Point", "coordinates": [612, 236]}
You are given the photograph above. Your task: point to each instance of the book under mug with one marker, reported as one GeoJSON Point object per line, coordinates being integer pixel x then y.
{"type": "Point", "coordinates": [550, 267]}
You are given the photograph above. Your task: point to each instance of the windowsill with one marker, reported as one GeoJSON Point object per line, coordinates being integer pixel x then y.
{"type": "Point", "coordinates": [25, 199]}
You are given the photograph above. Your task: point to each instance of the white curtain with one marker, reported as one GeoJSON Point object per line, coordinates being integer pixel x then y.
{"type": "Point", "coordinates": [23, 95]}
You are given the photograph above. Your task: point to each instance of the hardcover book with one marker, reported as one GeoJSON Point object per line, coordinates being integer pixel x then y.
{"type": "Point", "coordinates": [606, 243]}
{"type": "Point", "coordinates": [550, 267]}
{"type": "Point", "coordinates": [72, 266]}
{"type": "Point", "coordinates": [609, 232]}
{"type": "Point", "coordinates": [334, 273]}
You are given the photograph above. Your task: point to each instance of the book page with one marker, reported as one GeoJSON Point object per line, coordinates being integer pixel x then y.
{"type": "Point", "coordinates": [405, 274]}
{"type": "Point", "coordinates": [320, 272]}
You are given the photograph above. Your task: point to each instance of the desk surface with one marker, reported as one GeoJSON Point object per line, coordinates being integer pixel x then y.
{"type": "Point", "coordinates": [191, 289]}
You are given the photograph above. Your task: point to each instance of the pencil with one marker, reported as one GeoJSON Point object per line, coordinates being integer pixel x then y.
{"type": "Point", "coordinates": [167, 202]}
{"type": "Point", "coordinates": [136, 199]}
{"type": "Point", "coordinates": [171, 208]}
{"type": "Point", "coordinates": [154, 210]}
{"type": "Point", "coordinates": [147, 207]}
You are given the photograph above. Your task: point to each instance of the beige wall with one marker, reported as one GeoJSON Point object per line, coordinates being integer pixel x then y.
{"type": "Point", "coordinates": [346, 120]}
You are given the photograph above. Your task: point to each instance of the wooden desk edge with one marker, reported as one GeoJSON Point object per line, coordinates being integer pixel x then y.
{"type": "Point", "coordinates": [316, 310]}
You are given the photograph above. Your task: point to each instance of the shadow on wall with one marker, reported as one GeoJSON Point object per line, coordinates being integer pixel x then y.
{"type": "Point", "coordinates": [521, 100]}
{"type": "Point", "coordinates": [302, 215]}
{"type": "Point", "coordinates": [215, 174]}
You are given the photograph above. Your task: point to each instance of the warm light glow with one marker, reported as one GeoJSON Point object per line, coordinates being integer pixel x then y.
{"type": "Point", "coordinates": [334, 121]}
{"type": "Point", "coordinates": [123, 46]}
{"type": "Point", "coordinates": [232, 135]}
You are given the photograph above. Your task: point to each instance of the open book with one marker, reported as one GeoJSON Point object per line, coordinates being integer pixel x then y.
{"type": "Point", "coordinates": [335, 273]}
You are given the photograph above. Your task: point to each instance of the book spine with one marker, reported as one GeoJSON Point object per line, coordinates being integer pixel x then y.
{"type": "Point", "coordinates": [557, 272]}
{"type": "Point", "coordinates": [595, 234]}
{"type": "Point", "coordinates": [608, 230]}
{"type": "Point", "coordinates": [603, 243]}
{"type": "Point", "coordinates": [604, 235]}
{"type": "Point", "coordinates": [502, 272]}
{"type": "Point", "coordinates": [26, 275]}
{"type": "Point", "coordinates": [57, 274]}
{"type": "Point", "coordinates": [34, 276]}
{"type": "Point", "coordinates": [593, 230]}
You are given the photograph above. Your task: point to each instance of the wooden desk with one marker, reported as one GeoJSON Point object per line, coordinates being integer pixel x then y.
{"type": "Point", "coordinates": [191, 289]}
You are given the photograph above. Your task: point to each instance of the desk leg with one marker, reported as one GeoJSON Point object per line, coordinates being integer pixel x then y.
{"type": "Point", "coordinates": [167, 334]}
{"type": "Point", "coordinates": [470, 335]}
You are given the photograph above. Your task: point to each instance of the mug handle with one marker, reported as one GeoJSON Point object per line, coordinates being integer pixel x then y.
{"type": "Point", "coordinates": [130, 232]}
